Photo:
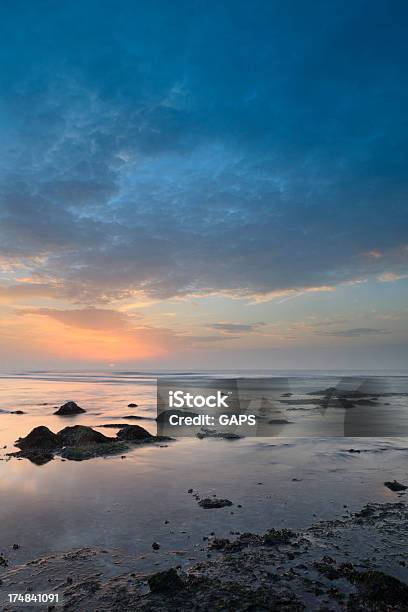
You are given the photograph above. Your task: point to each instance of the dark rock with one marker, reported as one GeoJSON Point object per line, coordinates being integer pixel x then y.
{"type": "Point", "coordinates": [16, 546]}
{"type": "Point", "coordinates": [165, 582]}
{"type": "Point", "coordinates": [212, 433]}
{"type": "Point", "coordinates": [155, 546]}
{"type": "Point", "coordinates": [79, 442]}
{"type": "Point", "coordinates": [132, 405]}
{"type": "Point", "coordinates": [3, 561]}
{"type": "Point", "coordinates": [36, 456]}
{"type": "Point", "coordinates": [220, 544]}
{"type": "Point", "coordinates": [379, 587]}
{"type": "Point", "coordinates": [228, 435]}
{"type": "Point", "coordinates": [396, 486]}
{"type": "Point", "coordinates": [210, 503]}
{"type": "Point", "coordinates": [69, 409]}
{"type": "Point", "coordinates": [133, 432]}
{"type": "Point", "coordinates": [338, 393]}
{"type": "Point", "coordinates": [327, 569]}
{"type": "Point", "coordinates": [39, 438]}
{"type": "Point", "coordinates": [280, 422]}
{"type": "Point", "coordinates": [81, 453]}
{"type": "Point", "coordinates": [17, 412]}
{"type": "Point", "coordinates": [80, 435]}
{"type": "Point", "coordinates": [301, 402]}
{"type": "Point", "coordinates": [366, 512]}
{"type": "Point", "coordinates": [286, 394]}
{"type": "Point", "coordinates": [137, 417]}
{"type": "Point", "coordinates": [278, 536]}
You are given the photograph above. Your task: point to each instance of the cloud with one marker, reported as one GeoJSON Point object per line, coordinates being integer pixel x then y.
{"type": "Point", "coordinates": [234, 328]}
{"type": "Point", "coordinates": [86, 318]}
{"type": "Point", "coordinates": [388, 277]}
{"type": "Point", "coordinates": [149, 154]}
{"type": "Point", "coordinates": [29, 290]}
{"type": "Point", "coordinates": [357, 332]}
{"type": "Point", "coordinates": [94, 335]}
{"type": "Point", "coordinates": [192, 340]}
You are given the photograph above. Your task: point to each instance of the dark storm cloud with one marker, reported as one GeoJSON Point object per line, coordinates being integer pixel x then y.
{"type": "Point", "coordinates": [197, 147]}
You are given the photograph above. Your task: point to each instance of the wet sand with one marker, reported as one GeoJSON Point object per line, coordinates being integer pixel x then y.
{"type": "Point", "coordinates": [356, 562]}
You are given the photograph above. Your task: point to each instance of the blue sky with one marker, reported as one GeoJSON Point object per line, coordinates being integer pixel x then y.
{"type": "Point", "coordinates": [216, 181]}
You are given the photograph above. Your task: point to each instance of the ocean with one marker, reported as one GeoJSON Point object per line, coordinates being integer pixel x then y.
{"type": "Point", "coordinates": [128, 502]}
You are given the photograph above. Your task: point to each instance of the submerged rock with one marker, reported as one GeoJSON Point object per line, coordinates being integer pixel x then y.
{"type": "Point", "coordinates": [81, 453]}
{"type": "Point", "coordinates": [395, 486]}
{"type": "Point", "coordinates": [209, 503]}
{"type": "Point", "coordinates": [69, 408]}
{"type": "Point", "coordinates": [39, 438]}
{"type": "Point", "coordinates": [37, 456]}
{"type": "Point", "coordinates": [280, 422]}
{"type": "Point", "coordinates": [212, 433]}
{"type": "Point", "coordinates": [137, 417]}
{"type": "Point", "coordinates": [132, 405]}
{"type": "Point", "coordinates": [111, 425]}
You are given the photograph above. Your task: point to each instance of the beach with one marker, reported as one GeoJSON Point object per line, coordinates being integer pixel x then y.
{"type": "Point", "coordinates": [66, 521]}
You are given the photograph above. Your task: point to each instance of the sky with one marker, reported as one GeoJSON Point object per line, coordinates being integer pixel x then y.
{"type": "Point", "coordinates": [203, 184]}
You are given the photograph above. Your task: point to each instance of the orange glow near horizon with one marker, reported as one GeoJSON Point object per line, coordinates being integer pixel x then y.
{"type": "Point", "coordinates": [48, 337]}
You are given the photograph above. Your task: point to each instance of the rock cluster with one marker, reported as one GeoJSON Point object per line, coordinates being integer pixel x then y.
{"type": "Point", "coordinates": [79, 442]}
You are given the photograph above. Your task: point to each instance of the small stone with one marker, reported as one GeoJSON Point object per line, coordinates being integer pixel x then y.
{"type": "Point", "coordinates": [210, 503]}
{"type": "Point", "coordinates": [68, 409]}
